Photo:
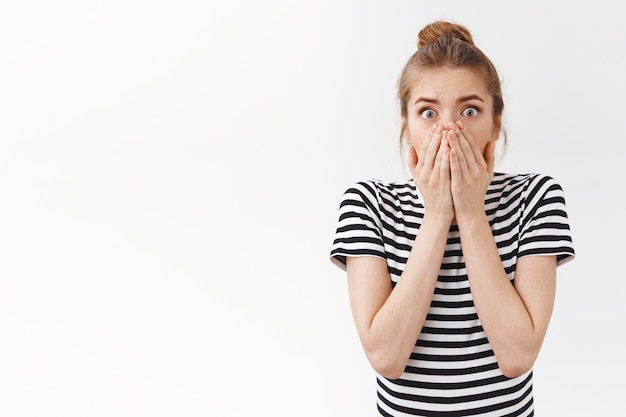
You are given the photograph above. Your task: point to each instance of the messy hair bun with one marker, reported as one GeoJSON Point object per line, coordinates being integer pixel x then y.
{"type": "Point", "coordinates": [443, 44]}
{"type": "Point", "coordinates": [430, 33]}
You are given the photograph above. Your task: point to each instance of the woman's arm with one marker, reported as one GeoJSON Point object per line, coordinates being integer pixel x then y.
{"type": "Point", "coordinates": [515, 318]}
{"type": "Point", "coordinates": [389, 321]}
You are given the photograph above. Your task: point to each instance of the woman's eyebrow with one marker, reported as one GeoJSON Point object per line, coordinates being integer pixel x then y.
{"type": "Point", "coordinates": [469, 98]}
{"type": "Point", "coordinates": [459, 100]}
{"type": "Point", "coordinates": [427, 100]}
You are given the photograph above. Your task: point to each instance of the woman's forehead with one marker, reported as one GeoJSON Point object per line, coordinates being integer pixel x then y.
{"type": "Point", "coordinates": [449, 83]}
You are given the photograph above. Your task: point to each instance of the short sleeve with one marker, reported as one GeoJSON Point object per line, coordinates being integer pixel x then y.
{"type": "Point", "coordinates": [545, 226]}
{"type": "Point", "coordinates": [359, 229]}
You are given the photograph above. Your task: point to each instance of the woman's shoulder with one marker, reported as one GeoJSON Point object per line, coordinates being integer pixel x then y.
{"type": "Point", "coordinates": [525, 187]}
{"type": "Point", "coordinates": [527, 179]}
{"type": "Point", "coordinates": [375, 188]}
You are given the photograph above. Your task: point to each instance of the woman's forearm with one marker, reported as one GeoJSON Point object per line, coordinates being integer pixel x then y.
{"type": "Point", "coordinates": [505, 319]}
{"type": "Point", "coordinates": [395, 327]}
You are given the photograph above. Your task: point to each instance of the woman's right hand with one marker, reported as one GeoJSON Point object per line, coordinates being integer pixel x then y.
{"type": "Point", "coordinates": [431, 173]}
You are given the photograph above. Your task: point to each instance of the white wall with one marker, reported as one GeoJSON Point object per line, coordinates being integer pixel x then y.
{"type": "Point", "coordinates": [170, 173]}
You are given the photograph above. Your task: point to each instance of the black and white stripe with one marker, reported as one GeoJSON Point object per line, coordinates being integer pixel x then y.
{"type": "Point", "coordinates": [452, 370]}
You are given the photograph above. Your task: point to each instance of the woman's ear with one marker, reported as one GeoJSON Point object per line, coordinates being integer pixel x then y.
{"type": "Point", "coordinates": [403, 133]}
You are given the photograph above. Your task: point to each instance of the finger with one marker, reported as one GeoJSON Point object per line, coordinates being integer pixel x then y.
{"type": "Point", "coordinates": [467, 147]}
{"type": "Point", "coordinates": [459, 152]}
{"type": "Point", "coordinates": [444, 165]}
{"type": "Point", "coordinates": [430, 147]}
{"type": "Point", "coordinates": [456, 173]}
{"type": "Point", "coordinates": [468, 144]}
{"type": "Point", "coordinates": [441, 150]}
{"type": "Point", "coordinates": [424, 148]}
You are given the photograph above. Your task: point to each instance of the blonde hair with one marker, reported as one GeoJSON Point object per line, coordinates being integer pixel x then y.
{"type": "Point", "coordinates": [444, 44]}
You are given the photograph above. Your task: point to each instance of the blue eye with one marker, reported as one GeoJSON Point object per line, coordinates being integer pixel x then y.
{"type": "Point", "coordinates": [428, 113]}
{"type": "Point", "coordinates": [470, 112]}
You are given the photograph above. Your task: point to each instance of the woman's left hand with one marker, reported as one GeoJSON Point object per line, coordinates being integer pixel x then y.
{"type": "Point", "coordinates": [471, 172]}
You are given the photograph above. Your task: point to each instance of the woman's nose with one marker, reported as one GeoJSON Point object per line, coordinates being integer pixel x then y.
{"type": "Point", "coordinates": [446, 119]}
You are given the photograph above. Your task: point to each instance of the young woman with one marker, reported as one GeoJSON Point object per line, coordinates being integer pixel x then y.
{"type": "Point", "coordinates": [452, 273]}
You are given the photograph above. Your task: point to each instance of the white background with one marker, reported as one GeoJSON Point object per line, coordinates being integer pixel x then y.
{"type": "Point", "coordinates": [170, 174]}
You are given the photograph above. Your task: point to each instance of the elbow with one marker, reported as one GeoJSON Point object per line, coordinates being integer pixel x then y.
{"type": "Point", "coordinates": [391, 373]}
{"type": "Point", "coordinates": [513, 371]}
{"type": "Point", "coordinates": [515, 366]}
{"type": "Point", "coordinates": [386, 365]}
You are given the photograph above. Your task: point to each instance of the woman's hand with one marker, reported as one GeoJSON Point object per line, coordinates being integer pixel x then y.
{"type": "Point", "coordinates": [471, 172]}
{"type": "Point", "coordinates": [431, 173]}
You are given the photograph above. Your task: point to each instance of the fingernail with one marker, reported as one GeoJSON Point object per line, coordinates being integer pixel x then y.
{"type": "Point", "coordinates": [459, 124]}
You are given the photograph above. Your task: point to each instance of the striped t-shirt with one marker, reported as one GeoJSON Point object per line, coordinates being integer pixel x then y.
{"type": "Point", "coordinates": [452, 370]}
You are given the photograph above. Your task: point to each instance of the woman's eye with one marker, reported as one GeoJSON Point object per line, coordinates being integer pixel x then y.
{"type": "Point", "coordinates": [470, 112]}
{"type": "Point", "coordinates": [428, 113]}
